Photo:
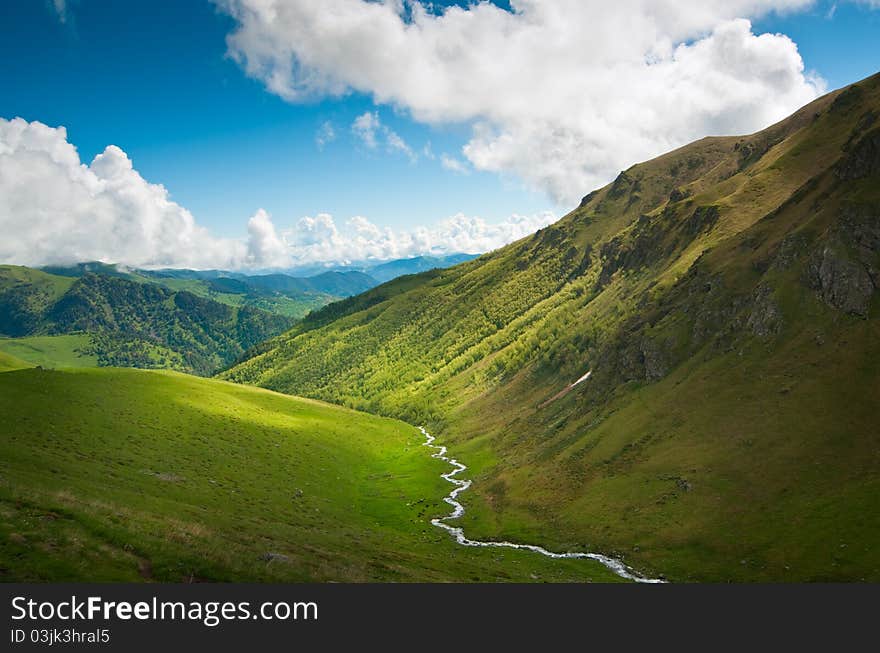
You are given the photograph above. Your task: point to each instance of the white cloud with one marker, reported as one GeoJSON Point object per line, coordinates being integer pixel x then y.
{"type": "Point", "coordinates": [453, 164]}
{"type": "Point", "coordinates": [60, 9]}
{"type": "Point", "coordinates": [562, 93]}
{"type": "Point", "coordinates": [326, 134]}
{"type": "Point", "coordinates": [365, 127]}
{"type": "Point", "coordinates": [54, 209]}
{"type": "Point", "coordinates": [397, 144]}
{"type": "Point", "coordinates": [368, 127]}
{"type": "Point", "coordinates": [265, 248]}
{"type": "Point", "coordinates": [317, 239]}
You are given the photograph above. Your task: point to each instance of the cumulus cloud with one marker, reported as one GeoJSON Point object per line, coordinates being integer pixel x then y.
{"type": "Point", "coordinates": [54, 209]}
{"type": "Point", "coordinates": [368, 127]}
{"type": "Point", "coordinates": [562, 93]}
{"type": "Point", "coordinates": [318, 239]}
{"type": "Point", "coordinates": [265, 248]}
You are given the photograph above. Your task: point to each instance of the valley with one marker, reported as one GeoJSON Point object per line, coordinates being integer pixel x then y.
{"type": "Point", "coordinates": [157, 476]}
{"type": "Point", "coordinates": [676, 381]}
{"type": "Point", "coordinates": [724, 295]}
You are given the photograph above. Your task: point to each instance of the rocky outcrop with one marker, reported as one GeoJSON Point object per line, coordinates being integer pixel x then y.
{"type": "Point", "coordinates": [863, 160]}
{"type": "Point", "coordinates": [792, 247]}
{"type": "Point", "coordinates": [702, 219]}
{"type": "Point", "coordinates": [634, 356]}
{"type": "Point", "coordinates": [589, 197]}
{"type": "Point", "coordinates": [654, 359]}
{"type": "Point", "coordinates": [642, 247]}
{"type": "Point", "coordinates": [679, 194]}
{"type": "Point", "coordinates": [765, 318]}
{"type": "Point", "coordinates": [841, 282]}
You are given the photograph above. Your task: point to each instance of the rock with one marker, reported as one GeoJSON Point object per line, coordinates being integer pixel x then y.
{"type": "Point", "coordinates": [272, 557]}
{"type": "Point", "coordinates": [702, 219]}
{"type": "Point", "coordinates": [683, 484]}
{"type": "Point", "coordinates": [840, 281]}
{"type": "Point", "coordinates": [679, 194]}
{"type": "Point", "coordinates": [863, 159]}
{"type": "Point", "coordinates": [859, 225]}
{"type": "Point", "coordinates": [622, 184]}
{"type": "Point", "coordinates": [298, 494]}
{"type": "Point", "coordinates": [792, 247]}
{"type": "Point", "coordinates": [654, 360]}
{"type": "Point", "coordinates": [765, 319]}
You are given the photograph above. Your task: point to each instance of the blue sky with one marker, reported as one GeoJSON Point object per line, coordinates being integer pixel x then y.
{"type": "Point", "coordinates": [153, 78]}
{"type": "Point", "coordinates": [156, 79]}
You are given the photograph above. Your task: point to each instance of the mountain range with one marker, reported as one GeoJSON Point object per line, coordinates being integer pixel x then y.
{"type": "Point", "coordinates": [194, 321]}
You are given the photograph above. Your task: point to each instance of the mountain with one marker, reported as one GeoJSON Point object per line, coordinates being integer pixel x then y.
{"type": "Point", "coordinates": [276, 293]}
{"type": "Point", "coordinates": [97, 319]}
{"type": "Point", "coordinates": [383, 272]}
{"type": "Point", "coordinates": [293, 294]}
{"type": "Point", "coordinates": [337, 284]}
{"type": "Point", "coordinates": [723, 297]}
{"type": "Point", "coordinates": [120, 475]}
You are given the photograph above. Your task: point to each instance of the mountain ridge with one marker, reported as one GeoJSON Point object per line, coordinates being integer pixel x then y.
{"type": "Point", "coordinates": [707, 286]}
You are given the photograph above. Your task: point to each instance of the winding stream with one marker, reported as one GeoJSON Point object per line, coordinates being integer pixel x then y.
{"type": "Point", "coordinates": [457, 532]}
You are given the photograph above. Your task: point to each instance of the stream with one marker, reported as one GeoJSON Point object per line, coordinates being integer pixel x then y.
{"type": "Point", "coordinates": [457, 532]}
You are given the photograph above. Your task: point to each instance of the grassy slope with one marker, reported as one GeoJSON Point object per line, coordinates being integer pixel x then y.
{"type": "Point", "coordinates": [51, 351]}
{"type": "Point", "coordinates": [9, 363]}
{"type": "Point", "coordinates": [727, 431]}
{"type": "Point", "coordinates": [110, 474]}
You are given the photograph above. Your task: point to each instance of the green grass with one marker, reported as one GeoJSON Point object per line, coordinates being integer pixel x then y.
{"type": "Point", "coordinates": [125, 475]}
{"type": "Point", "coordinates": [9, 363]}
{"type": "Point", "coordinates": [51, 351]}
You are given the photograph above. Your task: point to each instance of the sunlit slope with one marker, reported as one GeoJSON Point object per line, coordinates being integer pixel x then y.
{"type": "Point", "coordinates": [8, 362]}
{"type": "Point", "coordinates": [109, 474]}
{"type": "Point", "coordinates": [724, 296]}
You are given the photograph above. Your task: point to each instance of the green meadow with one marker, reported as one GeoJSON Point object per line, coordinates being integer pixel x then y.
{"type": "Point", "coordinates": [126, 475]}
{"type": "Point", "coordinates": [51, 351]}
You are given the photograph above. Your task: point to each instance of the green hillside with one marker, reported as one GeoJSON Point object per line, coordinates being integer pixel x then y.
{"type": "Point", "coordinates": [71, 350]}
{"type": "Point", "coordinates": [724, 297]}
{"type": "Point", "coordinates": [279, 294]}
{"type": "Point", "coordinates": [101, 319]}
{"type": "Point", "coordinates": [126, 475]}
{"type": "Point", "coordinates": [9, 363]}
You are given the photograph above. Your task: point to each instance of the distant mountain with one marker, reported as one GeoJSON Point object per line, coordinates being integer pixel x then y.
{"type": "Point", "coordinates": [276, 293]}
{"type": "Point", "coordinates": [293, 293]}
{"type": "Point", "coordinates": [383, 272]}
{"type": "Point", "coordinates": [95, 313]}
{"type": "Point", "coordinates": [113, 320]}
{"type": "Point", "coordinates": [338, 284]}
{"type": "Point", "coordinates": [725, 298]}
